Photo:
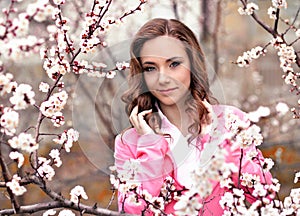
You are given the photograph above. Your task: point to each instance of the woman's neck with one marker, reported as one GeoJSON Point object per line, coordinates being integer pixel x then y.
{"type": "Point", "coordinates": [177, 115]}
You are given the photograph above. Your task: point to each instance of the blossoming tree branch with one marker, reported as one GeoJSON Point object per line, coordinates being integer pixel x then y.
{"type": "Point", "coordinates": [60, 49]}
{"type": "Point", "coordinates": [240, 186]}
{"type": "Point", "coordinates": [285, 42]}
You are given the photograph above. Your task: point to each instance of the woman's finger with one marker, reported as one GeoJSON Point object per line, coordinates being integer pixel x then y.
{"type": "Point", "coordinates": [133, 116]}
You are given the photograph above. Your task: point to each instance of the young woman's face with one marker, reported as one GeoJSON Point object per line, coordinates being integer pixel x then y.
{"type": "Point", "coordinates": [166, 69]}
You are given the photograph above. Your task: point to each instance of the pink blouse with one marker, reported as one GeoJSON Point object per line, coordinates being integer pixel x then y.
{"type": "Point", "coordinates": [160, 157]}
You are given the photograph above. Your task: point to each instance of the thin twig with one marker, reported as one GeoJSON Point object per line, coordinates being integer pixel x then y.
{"type": "Point", "coordinates": [276, 21]}
{"type": "Point", "coordinates": [240, 168]}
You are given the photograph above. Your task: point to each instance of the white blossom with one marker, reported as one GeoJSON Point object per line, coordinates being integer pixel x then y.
{"type": "Point", "coordinates": [22, 97]}
{"type": "Point", "coordinates": [259, 190]}
{"type": "Point", "coordinates": [249, 9]}
{"type": "Point", "coordinates": [45, 169]}
{"type": "Point", "coordinates": [9, 121]}
{"type": "Point", "coordinates": [24, 142]}
{"type": "Point", "coordinates": [282, 108]}
{"type": "Point", "coordinates": [77, 193]}
{"type": "Point", "coordinates": [297, 33]}
{"type": "Point", "coordinates": [249, 180]}
{"type": "Point", "coordinates": [15, 186]}
{"type": "Point", "coordinates": [268, 164]}
{"type": "Point", "coordinates": [290, 79]}
{"type": "Point", "coordinates": [272, 13]}
{"type": "Point", "coordinates": [58, 2]}
{"type": "Point", "coordinates": [249, 136]}
{"type": "Point", "coordinates": [6, 83]}
{"type": "Point", "coordinates": [297, 177]}
{"type": "Point", "coordinates": [49, 212]}
{"type": "Point", "coordinates": [279, 3]}
{"type": "Point", "coordinates": [277, 42]}
{"type": "Point", "coordinates": [55, 66]}
{"type": "Point", "coordinates": [122, 65]}
{"type": "Point", "coordinates": [262, 111]}
{"type": "Point", "coordinates": [66, 212]}
{"type": "Point", "coordinates": [55, 155]}
{"type": "Point", "coordinates": [295, 195]}
{"type": "Point", "coordinates": [248, 56]}
{"type": "Point", "coordinates": [67, 138]}
{"type": "Point", "coordinates": [54, 104]}
{"type": "Point", "coordinates": [44, 87]}
{"type": "Point", "coordinates": [2, 30]}
{"type": "Point", "coordinates": [18, 157]}
{"type": "Point", "coordinates": [111, 74]}
{"type": "Point", "coordinates": [58, 119]}
{"type": "Point", "coordinates": [188, 204]}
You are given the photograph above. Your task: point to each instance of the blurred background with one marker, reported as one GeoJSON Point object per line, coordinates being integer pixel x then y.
{"type": "Point", "coordinates": [94, 107]}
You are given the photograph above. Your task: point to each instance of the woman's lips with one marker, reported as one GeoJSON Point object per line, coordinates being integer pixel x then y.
{"type": "Point", "coordinates": [167, 91]}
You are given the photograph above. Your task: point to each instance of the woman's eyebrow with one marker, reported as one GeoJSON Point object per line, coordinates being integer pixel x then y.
{"type": "Point", "coordinates": [167, 60]}
{"type": "Point", "coordinates": [174, 58]}
{"type": "Point", "coordinates": [148, 62]}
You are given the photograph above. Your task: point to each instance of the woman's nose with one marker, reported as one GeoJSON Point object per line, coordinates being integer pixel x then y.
{"type": "Point", "coordinates": [163, 76]}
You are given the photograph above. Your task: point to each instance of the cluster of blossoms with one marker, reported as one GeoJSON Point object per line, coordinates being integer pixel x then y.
{"type": "Point", "coordinates": [55, 155]}
{"type": "Point", "coordinates": [58, 47]}
{"type": "Point", "coordinates": [15, 41]}
{"type": "Point", "coordinates": [67, 138]}
{"type": "Point", "coordinates": [22, 97]}
{"type": "Point", "coordinates": [190, 201]}
{"type": "Point", "coordinates": [287, 57]}
{"type": "Point", "coordinates": [15, 186]}
{"type": "Point", "coordinates": [55, 63]}
{"type": "Point", "coordinates": [279, 3]}
{"type": "Point", "coordinates": [24, 142]}
{"type": "Point", "coordinates": [54, 104]}
{"type": "Point", "coordinates": [248, 9]}
{"type": "Point", "coordinates": [94, 27]}
{"type": "Point", "coordinates": [126, 183]}
{"type": "Point", "coordinates": [248, 56]}
{"type": "Point", "coordinates": [45, 170]}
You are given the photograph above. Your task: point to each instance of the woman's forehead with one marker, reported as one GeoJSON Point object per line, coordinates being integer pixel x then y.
{"type": "Point", "coordinates": [163, 47]}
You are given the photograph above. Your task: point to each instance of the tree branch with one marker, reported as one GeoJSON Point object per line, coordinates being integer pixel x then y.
{"type": "Point", "coordinates": [260, 22]}
{"type": "Point", "coordinates": [5, 173]}
{"type": "Point", "coordinates": [57, 204]}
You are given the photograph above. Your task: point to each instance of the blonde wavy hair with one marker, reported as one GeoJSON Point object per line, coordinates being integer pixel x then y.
{"type": "Point", "coordinates": [138, 93]}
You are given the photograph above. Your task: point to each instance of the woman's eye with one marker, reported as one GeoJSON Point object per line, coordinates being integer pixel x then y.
{"type": "Point", "coordinates": [175, 64]}
{"type": "Point", "coordinates": [148, 69]}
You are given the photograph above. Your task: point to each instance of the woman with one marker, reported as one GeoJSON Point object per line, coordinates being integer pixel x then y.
{"type": "Point", "coordinates": [173, 124]}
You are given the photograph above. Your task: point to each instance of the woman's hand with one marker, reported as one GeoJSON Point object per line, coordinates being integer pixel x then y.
{"type": "Point", "coordinates": [138, 121]}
